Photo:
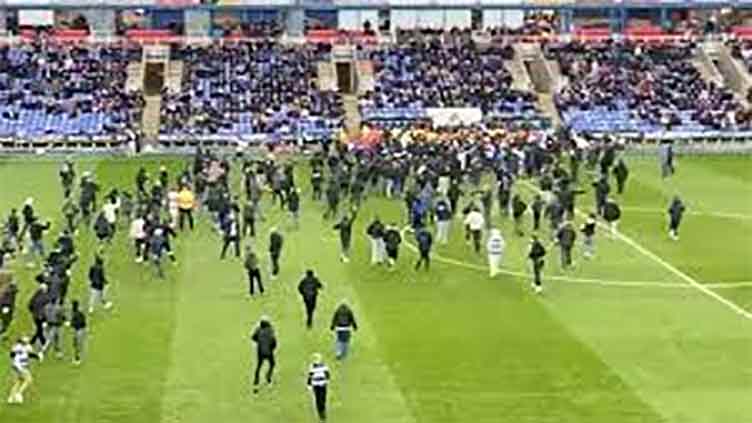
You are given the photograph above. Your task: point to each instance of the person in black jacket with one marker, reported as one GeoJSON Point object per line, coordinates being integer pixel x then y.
{"type": "Point", "coordinates": [36, 234]}
{"type": "Point", "coordinates": [344, 227]}
{"type": "Point", "coordinates": [536, 254]}
{"type": "Point", "coordinates": [518, 210]}
{"type": "Point", "coordinates": [611, 214]}
{"type": "Point", "coordinates": [565, 237]}
{"type": "Point", "coordinates": [392, 241]}
{"type": "Point", "coordinates": [102, 228]}
{"type": "Point", "coordinates": [309, 288]}
{"type": "Point", "coordinates": [293, 206]}
{"type": "Point", "coordinates": [621, 173]}
{"type": "Point", "coordinates": [252, 269]}
{"type": "Point", "coordinates": [7, 307]}
{"type": "Point", "coordinates": [675, 213]}
{"type": "Point", "coordinates": [266, 343]}
{"type": "Point", "coordinates": [602, 189]}
{"type": "Point", "coordinates": [231, 231]}
{"type": "Point", "coordinates": [78, 324]}
{"type": "Point", "coordinates": [537, 207]}
{"type": "Point", "coordinates": [425, 242]}
{"type": "Point", "coordinates": [37, 305]}
{"type": "Point", "coordinates": [343, 323]}
{"type": "Point", "coordinates": [27, 212]}
{"type": "Point", "coordinates": [97, 284]}
{"type": "Point", "coordinates": [275, 250]}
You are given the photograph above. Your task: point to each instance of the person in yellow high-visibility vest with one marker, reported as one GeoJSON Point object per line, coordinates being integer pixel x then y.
{"type": "Point", "coordinates": [186, 204]}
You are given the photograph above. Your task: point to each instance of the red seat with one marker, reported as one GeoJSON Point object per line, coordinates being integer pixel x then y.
{"type": "Point", "coordinates": [742, 30]}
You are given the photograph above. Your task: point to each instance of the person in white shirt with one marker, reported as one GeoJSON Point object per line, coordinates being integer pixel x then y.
{"type": "Point", "coordinates": [20, 356]}
{"type": "Point", "coordinates": [138, 235]}
{"type": "Point", "coordinates": [474, 222]}
{"type": "Point", "coordinates": [110, 210]}
{"type": "Point", "coordinates": [495, 247]}
{"type": "Point", "coordinates": [172, 207]}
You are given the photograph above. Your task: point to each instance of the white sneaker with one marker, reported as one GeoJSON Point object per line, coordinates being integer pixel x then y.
{"type": "Point", "coordinates": [108, 305]}
{"type": "Point", "coordinates": [91, 310]}
{"type": "Point", "coordinates": [539, 290]}
{"type": "Point", "coordinates": [139, 260]}
{"type": "Point", "coordinates": [19, 398]}
{"type": "Point", "coordinates": [76, 362]}
{"type": "Point", "coordinates": [40, 354]}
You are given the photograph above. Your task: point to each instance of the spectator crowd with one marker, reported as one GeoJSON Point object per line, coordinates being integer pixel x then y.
{"type": "Point", "coordinates": [627, 86]}
{"type": "Point", "coordinates": [258, 88]}
{"type": "Point", "coordinates": [53, 89]}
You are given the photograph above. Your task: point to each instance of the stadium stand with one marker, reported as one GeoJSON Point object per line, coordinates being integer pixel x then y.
{"type": "Point", "coordinates": [66, 90]}
{"type": "Point", "coordinates": [643, 88]}
{"type": "Point", "coordinates": [250, 89]}
{"type": "Point", "coordinates": [427, 73]}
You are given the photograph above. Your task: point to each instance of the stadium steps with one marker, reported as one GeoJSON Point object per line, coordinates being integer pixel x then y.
{"type": "Point", "coordinates": [151, 117]}
{"type": "Point", "coordinates": [135, 80]}
{"type": "Point", "coordinates": [703, 61]}
{"type": "Point", "coordinates": [174, 79]}
{"type": "Point", "coordinates": [547, 106]}
{"type": "Point", "coordinates": [520, 78]}
{"type": "Point", "coordinates": [327, 77]}
{"type": "Point", "coordinates": [366, 80]}
{"type": "Point", "coordinates": [352, 114]}
{"type": "Point", "coordinates": [734, 72]}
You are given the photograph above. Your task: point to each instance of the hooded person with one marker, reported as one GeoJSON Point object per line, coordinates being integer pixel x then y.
{"type": "Point", "coordinates": [495, 247]}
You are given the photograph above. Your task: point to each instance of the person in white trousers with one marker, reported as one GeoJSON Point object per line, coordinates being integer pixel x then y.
{"type": "Point", "coordinates": [495, 247]}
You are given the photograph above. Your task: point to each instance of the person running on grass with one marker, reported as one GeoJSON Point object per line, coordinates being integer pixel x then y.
{"type": "Point", "coordinates": [266, 344]}
{"type": "Point", "coordinates": [20, 355]}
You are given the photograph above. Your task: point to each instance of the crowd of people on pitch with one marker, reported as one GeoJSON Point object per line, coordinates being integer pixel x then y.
{"type": "Point", "coordinates": [657, 83]}
{"type": "Point", "coordinates": [431, 73]}
{"type": "Point", "coordinates": [64, 84]}
{"type": "Point", "coordinates": [242, 88]}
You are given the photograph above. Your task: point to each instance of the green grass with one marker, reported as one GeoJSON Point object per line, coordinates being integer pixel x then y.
{"type": "Point", "coordinates": [449, 345]}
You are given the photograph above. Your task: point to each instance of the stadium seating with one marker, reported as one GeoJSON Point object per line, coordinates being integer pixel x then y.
{"type": "Point", "coordinates": [428, 74]}
{"type": "Point", "coordinates": [639, 87]}
{"type": "Point", "coordinates": [251, 88]}
{"type": "Point", "coordinates": [66, 90]}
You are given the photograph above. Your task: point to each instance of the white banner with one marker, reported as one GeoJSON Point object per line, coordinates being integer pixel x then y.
{"type": "Point", "coordinates": [32, 17]}
{"type": "Point", "coordinates": [455, 116]}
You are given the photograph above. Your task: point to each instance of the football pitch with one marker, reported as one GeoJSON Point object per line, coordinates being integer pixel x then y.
{"type": "Point", "coordinates": [649, 331]}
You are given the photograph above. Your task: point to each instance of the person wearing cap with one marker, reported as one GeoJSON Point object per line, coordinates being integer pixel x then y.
{"type": "Point", "coordinates": [495, 247]}
{"type": "Point", "coordinates": [343, 324]}
{"type": "Point", "coordinates": [266, 344]}
{"type": "Point", "coordinates": [309, 288]}
{"type": "Point", "coordinates": [318, 380]}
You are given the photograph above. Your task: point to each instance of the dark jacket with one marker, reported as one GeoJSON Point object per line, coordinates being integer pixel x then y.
{"type": "Point", "coordinates": [343, 318]}
{"type": "Point", "coordinates": [309, 287]}
{"type": "Point", "coordinates": [266, 341]}
{"type": "Point", "coordinates": [97, 277]}
{"type": "Point", "coordinates": [275, 243]}
{"type": "Point", "coordinates": [37, 303]}
{"type": "Point", "coordinates": [611, 211]}
{"type": "Point", "coordinates": [37, 229]}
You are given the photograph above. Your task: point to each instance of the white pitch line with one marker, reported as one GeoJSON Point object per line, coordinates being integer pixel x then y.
{"type": "Point", "coordinates": [683, 276]}
{"type": "Point", "coordinates": [582, 281]}
{"type": "Point", "coordinates": [723, 215]}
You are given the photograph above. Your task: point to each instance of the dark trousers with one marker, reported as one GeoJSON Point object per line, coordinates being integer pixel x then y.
{"type": "Point", "coordinates": [38, 331]}
{"type": "Point", "coordinates": [424, 259]}
{"type": "Point", "coordinates": [537, 270]}
{"type": "Point", "coordinates": [269, 371]}
{"type": "Point", "coordinates": [254, 277]}
{"type": "Point", "coordinates": [673, 224]}
{"type": "Point", "coordinates": [319, 394]}
{"type": "Point", "coordinates": [249, 227]}
{"type": "Point", "coordinates": [620, 185]}
{"type": "Point", "coordinates": [275, 263]}
{"type": "Point", "coordinates": [566, 256]}
{"type": "Point", "coordinates": [476, 235]}
{"type": "Point", "coordinates": [310, 308]}
{"type": "Point", "coordinates": [71, 223]}
{"type": "Point", "coordinates": [235, 241]}
{"type": "Point", "coordinates": [184, 214]}
{"type": "Point", "coordinates": [536, 221]}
